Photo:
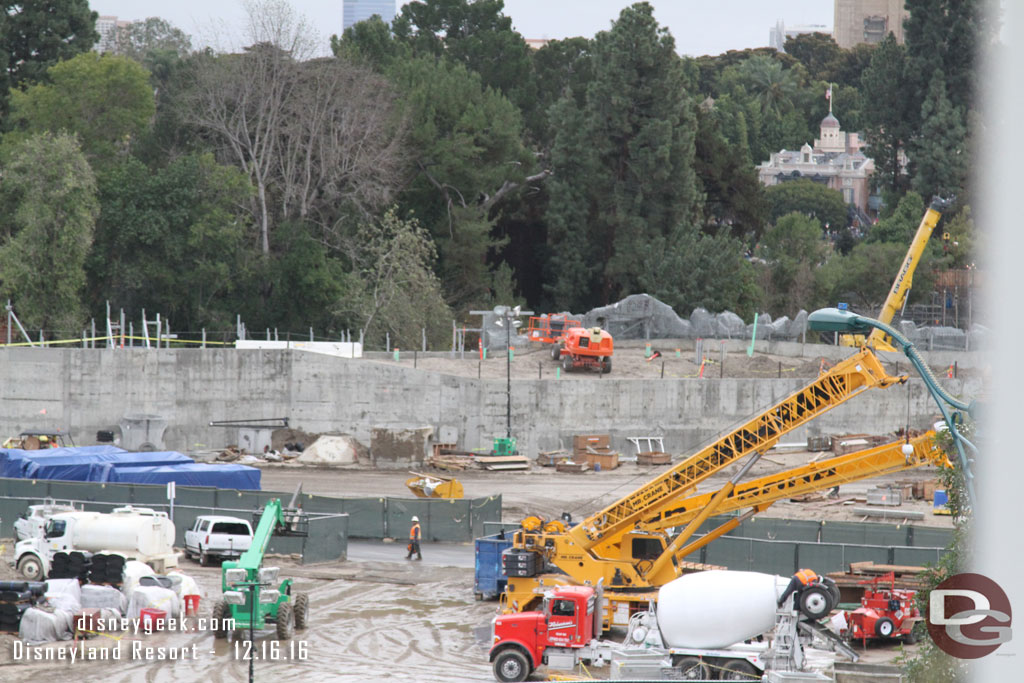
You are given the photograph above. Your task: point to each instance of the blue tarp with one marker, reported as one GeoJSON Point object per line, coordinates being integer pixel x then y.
{"type": "Point", "coordinates": [194, 474]}
{"type": "Point", "coordinates": [13, 461]}
{"type": "Point", "coordinates": [88, 467]}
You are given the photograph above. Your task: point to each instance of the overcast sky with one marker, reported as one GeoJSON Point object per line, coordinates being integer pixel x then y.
{"type": "Point", "coordinates": [699, 26]}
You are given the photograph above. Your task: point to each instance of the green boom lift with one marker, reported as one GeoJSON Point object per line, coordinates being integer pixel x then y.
{"type": "Point", "coordinates": [249, 596]}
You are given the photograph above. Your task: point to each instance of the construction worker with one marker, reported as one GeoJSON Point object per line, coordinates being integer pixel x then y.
{"type": "Point", "coordinates": [414, 539]}
{"type": "Point", "coordinates": [801, 580]}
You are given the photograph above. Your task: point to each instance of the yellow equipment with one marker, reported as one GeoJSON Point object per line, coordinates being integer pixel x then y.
{"type": "Point", "coordinates": [430, 486]}
{"type": "Point", "coordinates": [631, 546]}
{"type": "Point", "coordinates": [904, 279]}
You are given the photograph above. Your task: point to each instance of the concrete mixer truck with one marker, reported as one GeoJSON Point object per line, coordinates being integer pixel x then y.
{"type": "Point", "coordinates": [696, 630]}
{"type": "Point", "coordinates": [137, 533]}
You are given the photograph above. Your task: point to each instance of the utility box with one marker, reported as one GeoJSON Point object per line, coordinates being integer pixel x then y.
{"type": "Point", "coordinates": [254, 440]}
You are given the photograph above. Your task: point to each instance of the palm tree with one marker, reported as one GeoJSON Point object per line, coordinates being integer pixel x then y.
{"type": "Point", "coordinates": [773, 84]}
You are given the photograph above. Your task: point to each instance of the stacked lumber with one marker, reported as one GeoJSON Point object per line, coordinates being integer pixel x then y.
{"type": "Point", "coordinates": [572, 467]}
{"type": "Point", "coordinates": [502, 462]}
{"type": "Point", "coordinates": [653, 458]}
{"type": "Point", "coordinates": [551, 458]}
{"type": "Point", "coordinates": [451, 462]}
{"type": "Point", "coordinates": [907, 576]}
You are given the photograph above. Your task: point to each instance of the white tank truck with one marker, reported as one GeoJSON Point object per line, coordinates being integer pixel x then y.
{"type": "Point", "coordinates": [711, 625]}
{"type": "Point", "coordinates": [136, 533]}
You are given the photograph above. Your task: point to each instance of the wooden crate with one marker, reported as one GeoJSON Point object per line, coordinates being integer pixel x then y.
{"type": "Point", "coordinates": [573, 467]}
{"type": "Point", "coordinates": [653, 458]}
{"type": "Point", "coordinates": [606, 461]}
{"type": "Point", "coordinates": [551, 458]}
{"type": "Point", "coordinates": [819, 443]}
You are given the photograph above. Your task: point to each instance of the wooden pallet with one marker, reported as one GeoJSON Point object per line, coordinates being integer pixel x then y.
{"type": "Point", "coordinates": [572, 467]}
{"type": "Point", "coordinates": [503, 462]}
{"type": "Point", "coordinates": [648, 458]}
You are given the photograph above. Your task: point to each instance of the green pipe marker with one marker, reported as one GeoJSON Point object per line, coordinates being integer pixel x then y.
{"type": "Point", "coordinates": [396, 353]}
{"type": "Point", "coordinates": [558, 373]}
{"type": "Point", "coordinates": [750, 349]}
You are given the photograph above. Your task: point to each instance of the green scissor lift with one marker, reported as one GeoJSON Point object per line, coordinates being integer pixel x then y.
{"type": "Point", "coordinates": [250, 598]}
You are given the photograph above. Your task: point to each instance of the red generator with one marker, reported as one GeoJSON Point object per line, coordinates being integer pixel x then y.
{"type": "Point", "coordinates": [885, 612]}
{"type": "Point", "coordinates": [550, 329]}
{"type": "Point", "coordinates": [587, 348]}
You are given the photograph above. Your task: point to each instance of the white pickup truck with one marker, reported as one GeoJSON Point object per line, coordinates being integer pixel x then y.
{"type": "Point", "coordinates": [216, 536]}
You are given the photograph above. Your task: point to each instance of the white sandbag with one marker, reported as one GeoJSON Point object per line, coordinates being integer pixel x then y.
{"type": "Point", "coordinates": [65, 594]}
{"type": "Point", "coordinates": [103, 596]}
{"type": "Point", "coordinates": [40, 626]}
{"type": "Point", "coordinates": [186, 586]}
{"type": "Point", "coordinates": [156, 597]}
{"type": "Point", "coordinates": [133, 571]}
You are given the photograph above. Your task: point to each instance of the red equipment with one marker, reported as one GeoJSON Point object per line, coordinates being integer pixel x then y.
{"type": "Point", "coordinates": [587, 348]}
{"type": "Point", "coordinates": [550, 329]}
{"type": "Point", "coordinates": [885, 612]}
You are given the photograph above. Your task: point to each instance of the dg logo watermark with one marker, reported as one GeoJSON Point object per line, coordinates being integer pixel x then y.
{"type": "Point", "coordinates": [969, 616]}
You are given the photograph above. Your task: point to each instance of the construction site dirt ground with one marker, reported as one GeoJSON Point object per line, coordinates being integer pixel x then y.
{"type": "Point", "coordinates": [372, 615]}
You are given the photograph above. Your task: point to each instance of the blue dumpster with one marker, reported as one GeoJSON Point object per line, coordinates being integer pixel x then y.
{"type": "Point", "coordinates": [489, 578]}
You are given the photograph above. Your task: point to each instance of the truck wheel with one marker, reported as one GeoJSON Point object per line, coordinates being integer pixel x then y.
{"type": "Point", "coordinates": [285, 621]}
{"type": "Point", "coordinates": [884, 627]}
{"type": "Point", "coordinates": [556, 351]}
{"type": "Point", "coordinates": [204, 559]}
{"type": "Point", "coordinates": [915, 633]}
{"type": "Point", "coordinates": [693, 669]}
{"type": "Point", "coordinates": [567, 363]}
{"type": "Point", "coordinates": [738, 670]}
{"type": "Point", "coordinates": [511, 665]}
{"type": "Point", "coordinates": [221, 613]}
{"type": "Point", "coordinates": [815, 602]}
{"type": "Point", "coordinates": [606, 365]}
{"type": "Point", "coordinates": [31, 568]}
{"type": "Point", "coordinates": [301, 611]}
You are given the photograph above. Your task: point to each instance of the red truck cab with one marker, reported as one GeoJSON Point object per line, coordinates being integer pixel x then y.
{"type": "Point", "coordinates": [521, 641]}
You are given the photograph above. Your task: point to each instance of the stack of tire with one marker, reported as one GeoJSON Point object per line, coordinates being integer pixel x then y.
{"type": "Point", "coordinates": [107, 569]}
{"type": "Point", "coordinates": [15, 598]}
{"type": "Point", "coordinates": [73, 565]}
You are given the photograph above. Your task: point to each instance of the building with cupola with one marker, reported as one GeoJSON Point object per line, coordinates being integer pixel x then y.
{"type": "Point", "coordinates": [835, 160]}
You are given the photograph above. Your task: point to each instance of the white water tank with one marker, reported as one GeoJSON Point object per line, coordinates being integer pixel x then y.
{"type": "Point", "coordinates": [715, 609]}
{"type": "Point", "coordinates": [144, 534]}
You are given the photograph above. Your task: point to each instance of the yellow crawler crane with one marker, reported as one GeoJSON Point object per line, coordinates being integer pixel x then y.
{"type": "Point", "coordinates": [627, 547]}
{"type": "Point", "coordinates": [904, 279]}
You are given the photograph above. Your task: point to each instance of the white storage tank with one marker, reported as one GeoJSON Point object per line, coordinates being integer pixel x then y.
{"type": "Point", "coordinates": [715, 609]}
{"type": "Point", "coordinates": [146, 534]}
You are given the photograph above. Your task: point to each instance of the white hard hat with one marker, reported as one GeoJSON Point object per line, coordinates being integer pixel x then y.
{"type": "Point", "coordinates": [415, 518]}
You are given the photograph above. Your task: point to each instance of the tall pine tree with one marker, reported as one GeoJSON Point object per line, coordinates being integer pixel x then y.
{"type": "Point", "coordinates": [623, 164]}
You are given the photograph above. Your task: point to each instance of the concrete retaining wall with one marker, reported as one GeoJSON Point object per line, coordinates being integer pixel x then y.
{"type": "Point", "coordinates": [85, 390]}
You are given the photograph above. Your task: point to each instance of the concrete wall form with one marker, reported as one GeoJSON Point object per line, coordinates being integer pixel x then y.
{"type": "Point", "coordinates": [86, 390]}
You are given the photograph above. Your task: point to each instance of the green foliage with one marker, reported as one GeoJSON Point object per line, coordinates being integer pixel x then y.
{"type": "Point", "coordinates": [466, 144]}
{"type": "Point", "coordinates": [863, 277]}
{"type": "Point", "coordinates": [145, 41]}
{"type": "Point", "coordinates": [170, 240]}
{"type": "Point", "coordinates": [793, 250]}
{"type": "Point", "coordinates": [809, 198]}
{"type": "Point", "coordinates": [734, 197]}
{"type": "Point", "coordinates": [105, 100]}
{"type": "Point", "coordinates": [370, 42]}
{"type": "Point", "coordinates": [888, 121]}
{"type": "Point", "coordinates": [941, 156]}
{"type": "Point", "coordinates": [689, 268]}
{"type": "Point", "coordinates": [818, 53]}
{"type": "Point", "coordinates": [39, 33]}
{"type": "Point", "coordinates": [397, 292]}
{"type": "Point", "coordinates": [961, 249]}
{"type": "Point", "coordinates": [623, 164]}
{"type": "Point", "coordinates": [900, 225]}
{"type": "Point", "coordinates": [474, 33]}
{"type": "Point", "coordinates": [49, 209]}
{"type": "Point", "coordinates": [561, 67]}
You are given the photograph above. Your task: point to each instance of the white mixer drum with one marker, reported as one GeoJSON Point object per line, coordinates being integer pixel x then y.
{"type": "Point", "coordinates": [715, 609]}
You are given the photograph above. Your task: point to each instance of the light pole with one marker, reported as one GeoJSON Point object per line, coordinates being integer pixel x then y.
{"type": "Point", "coordinates": [507, 319]}
{"type": "Point", "coordinates": [836, 320]}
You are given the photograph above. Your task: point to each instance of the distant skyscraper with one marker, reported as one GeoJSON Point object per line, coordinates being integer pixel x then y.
{"type": "Point", "coordinates": [355, 11]}
{"type": "Point", "coordinates": [778, 34]}
{"type": "Point", "coordinates": [868, 21]}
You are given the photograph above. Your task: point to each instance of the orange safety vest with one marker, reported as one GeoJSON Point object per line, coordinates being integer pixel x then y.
{"type": "Point", "coordinates": [414, 532]}
{"type": "Point", "coordinates": [806, 576]}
